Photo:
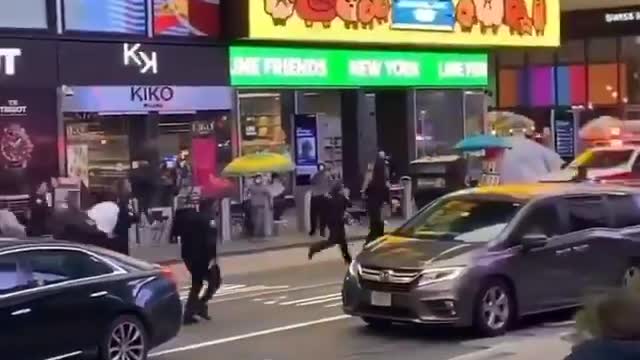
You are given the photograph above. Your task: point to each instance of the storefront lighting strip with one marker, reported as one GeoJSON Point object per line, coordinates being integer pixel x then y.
{"type": "Point", "coordinates": [177, 112]}
{"type": "Point", "coordinates": [117, 113]}
{"type": "Point", "coordinates": [257, 95]}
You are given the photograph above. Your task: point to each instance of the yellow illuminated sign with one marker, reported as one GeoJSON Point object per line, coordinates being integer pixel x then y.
{"type": "Point", "coordinates": [417, 22]}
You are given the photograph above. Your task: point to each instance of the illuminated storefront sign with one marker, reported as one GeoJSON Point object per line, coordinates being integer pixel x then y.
{"type": "Point", "coordinates": [267, 66]}
{"type": "Point", "coordinates": [453, 22]}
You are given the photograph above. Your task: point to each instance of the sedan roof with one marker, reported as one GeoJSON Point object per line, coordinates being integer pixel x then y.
{"type": "Point", "coordinates": [9, 243]}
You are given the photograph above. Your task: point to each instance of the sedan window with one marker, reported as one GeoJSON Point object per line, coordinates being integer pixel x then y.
{"type": "Point", "coordinates": [54, 266]}
{"type": "Point", "coordinates": [14, 275]}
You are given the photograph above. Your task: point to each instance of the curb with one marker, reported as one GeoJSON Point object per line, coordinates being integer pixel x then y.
{"type": "Point", "coordinates": [295, 245]}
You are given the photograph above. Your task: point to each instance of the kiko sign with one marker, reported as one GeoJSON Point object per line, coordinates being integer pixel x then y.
{"type": "Point", "coordinates": [146, 62]}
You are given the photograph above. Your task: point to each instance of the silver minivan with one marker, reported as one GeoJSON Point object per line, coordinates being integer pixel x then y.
{"type": "Point", "coordinates": [485, 257]}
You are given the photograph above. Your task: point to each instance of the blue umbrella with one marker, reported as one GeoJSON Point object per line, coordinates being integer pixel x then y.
{"type": "Point", "coordinates": [482, 142]}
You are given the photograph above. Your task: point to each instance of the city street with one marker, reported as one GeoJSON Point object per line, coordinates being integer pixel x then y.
{"type": "Point", "coordinates": [295, 312]}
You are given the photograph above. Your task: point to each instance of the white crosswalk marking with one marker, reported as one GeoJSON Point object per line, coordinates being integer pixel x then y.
{"type": "Point", "coordinates": [321, 301]}
{"type": "Point", "coordinates": [232, 289]}
{"type": "Point", "coordinates": [292, 302]}
{"type": "Point", "coordinates": [334, 305]}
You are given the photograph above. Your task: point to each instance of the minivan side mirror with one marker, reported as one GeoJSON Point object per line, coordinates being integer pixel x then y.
{"type": "Point", "coordinates": [534, 241]}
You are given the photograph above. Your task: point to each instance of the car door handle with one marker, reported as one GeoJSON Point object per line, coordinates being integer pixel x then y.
{"type": "Point", "coordinates": [581, 248]}
{"type": "Point", "coordinates": [99, 294]}
{"type": "Point", "coordinates": [21, 312]}
{"type": "Point", "coordinates": [563, 251]}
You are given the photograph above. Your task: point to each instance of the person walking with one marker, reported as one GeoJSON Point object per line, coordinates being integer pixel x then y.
{"type": "Point", "coordinates": [377, 194]}
{"type": "Point", "coordinates": [126, 217]}
{"type": "Point", "coordinates": [320, 187]}
{"type": "Point", "coordinates": [337, 205]}
{"type": "Point", "coordinates": [199, 253]}
{"type": "Point", "coordinates": [39, 211]}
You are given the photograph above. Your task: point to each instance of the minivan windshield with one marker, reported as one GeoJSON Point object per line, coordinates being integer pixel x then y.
{"type": "Point", "coordinates": [467, 219]}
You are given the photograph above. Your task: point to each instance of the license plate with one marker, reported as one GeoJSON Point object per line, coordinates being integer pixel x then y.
{"type": "Point", "coordinates": [380, 299]}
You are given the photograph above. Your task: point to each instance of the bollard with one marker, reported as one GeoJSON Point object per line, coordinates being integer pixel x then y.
{"type": "Point", "coordinates": [303, 210]}
{"type": "Point", "coordinates": [268, 220]}
{"type": "Point", "coordinates": [225, 220]}
{"type": "Point", "coordinates": [407, 197]}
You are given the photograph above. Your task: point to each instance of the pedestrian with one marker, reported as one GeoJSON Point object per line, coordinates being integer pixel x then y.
{"type": "Point", "coordinates": [277, 189]}
{"type": "Point", "coordinates": [126, 217]}
{"type": "Point", "coordinates": [39, 211]}
{"type": "Point", "coordinates": [260, 202]}
{"type": "Point", "coordinates": [199, 253]}
{"type": "Point", "coordinates": [337, 205]}
{"type": "Point", "coordinates": [377, 194]}
{"type": "Point", "coordinates": [613, 324]}
{"type": "Point", "coordinates": [320, 187]}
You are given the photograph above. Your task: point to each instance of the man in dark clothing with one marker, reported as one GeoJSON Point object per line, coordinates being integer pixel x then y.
{"type": "Point", "coordinates": [199, 252]}
{"type": "Point", "coordinates": [320, 187]}
{"type": "Point", "coordinates": [337, 204]}
{"type": "Point", "coordinates": [377, 194]}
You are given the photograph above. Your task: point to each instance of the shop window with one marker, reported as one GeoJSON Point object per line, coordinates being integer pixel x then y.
{"type": "Point", "coordinates": [261, 124]}
{"type": "Point", "coordinates": [327, 104]}
{"type": "Point", "coordinates": [440, 120]}
{"type": "Point", "coordinates": [571, 85]}
{"type": "Point", "coordinates": [603, 84]}
{"type": "Point", "coordinates": [630, 58]}
{"type": "Point", "coordinates": [512, 88]}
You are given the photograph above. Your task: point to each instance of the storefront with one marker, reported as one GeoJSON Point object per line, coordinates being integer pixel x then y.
{"type": "Point", "coordinates": [365, 77]}
{"type": "Point", "coordinates": [28, 116]}
{"type": "Point", "coordinates": [136, 104]}
{"type": "Point", "coordinates": [595, 72]}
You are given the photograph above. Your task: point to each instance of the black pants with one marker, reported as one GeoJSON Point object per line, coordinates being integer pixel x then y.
{"type": "Point", "coordinates": [376, 224]}
{"type": "Point", "coordinates": [201, 273]}
{"type": "Point", "coordinates": [337, 236]}
{"type": "Point", "coordinates": [318, 214]}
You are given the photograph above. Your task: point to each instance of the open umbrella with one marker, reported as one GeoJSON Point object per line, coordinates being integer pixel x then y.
{"type": "Point", "coordinates": [482, 142]}
{"type": "Point", "coordinates": [257, 163]}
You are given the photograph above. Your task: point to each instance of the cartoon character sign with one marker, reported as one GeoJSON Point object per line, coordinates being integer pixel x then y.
{"type": "Point", "coordinates": [316, 11]}
{"type": "Point", "coordinates": [280, 10]}
{"type": "Point", "coordinates": [490, 14]}
{"type": "Point", "coordinates": [466, 15]}
{"type": "Point", "coordinates": [366, 13]}
{"type": "Point", "coordinates": [517, 17]}
{"type": "Point", "coordinates": [539, 16]}
{"type": "Point", "coordinates": [348, 11]}
{"type": "Point", "coordinates": [381, 8]}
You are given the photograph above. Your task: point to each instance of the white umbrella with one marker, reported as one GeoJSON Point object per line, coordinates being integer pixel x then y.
{"type": "Point", "coordinates": [526, 161]}
{"type": "Point", "coordinates": [105, 214]}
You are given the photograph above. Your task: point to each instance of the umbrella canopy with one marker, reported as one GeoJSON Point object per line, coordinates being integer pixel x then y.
{"type": "Point", "coordinates": [482, 142]}
{"type": "Point", "coordinates": [261, 162]}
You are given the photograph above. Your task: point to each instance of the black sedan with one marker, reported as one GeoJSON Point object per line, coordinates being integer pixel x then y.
{"type": "Point", "coordinates": [60, 300]}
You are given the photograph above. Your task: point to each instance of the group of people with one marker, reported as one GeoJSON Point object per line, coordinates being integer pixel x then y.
{"type": "Point", "coordinates": [330, 201]}
{"type": "Point", "coordinates": [263, 196]}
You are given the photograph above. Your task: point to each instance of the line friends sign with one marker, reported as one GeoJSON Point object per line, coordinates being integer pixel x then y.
{"type": "Point", "coordinates": [417, 22]}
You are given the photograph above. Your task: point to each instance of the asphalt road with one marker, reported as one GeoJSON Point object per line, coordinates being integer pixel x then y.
{"type": "Point", "coordinates": [294, 313]}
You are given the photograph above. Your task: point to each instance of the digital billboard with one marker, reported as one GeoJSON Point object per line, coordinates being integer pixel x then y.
{"type": "Point", "coordinates": [442, 22]}
{"type": "Point", "coordinates": [186, 17]}
{"type": "Point", "coordinates": [24, 14]}
{"type": "Point", "coordinates": [113, 16]}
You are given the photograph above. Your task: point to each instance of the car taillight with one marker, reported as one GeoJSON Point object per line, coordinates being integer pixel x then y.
{"type": "Point", "coordinates": [168, 274]}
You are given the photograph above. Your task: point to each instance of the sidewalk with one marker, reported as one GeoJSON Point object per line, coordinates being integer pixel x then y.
{"type": "Point", "coordinates": [288, 238]}
{"type": "Point", "coordinates": [547, 348]}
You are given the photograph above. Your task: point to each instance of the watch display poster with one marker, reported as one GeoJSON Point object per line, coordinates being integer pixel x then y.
{"type": "Point", "coordinates": [28, 139]}
{"type": "Point", "coordinates": [306, 145]}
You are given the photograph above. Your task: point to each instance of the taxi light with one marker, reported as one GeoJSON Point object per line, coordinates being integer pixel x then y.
{"type": "Point", "coordinates": [616, 143]}
{"type": "Point", "coordinates": [615, 131]}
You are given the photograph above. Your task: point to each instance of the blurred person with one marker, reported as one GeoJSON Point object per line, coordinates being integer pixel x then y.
{"type": "Point", "coordinates": [337, 205]}
{"type": "Point", "coordinates": [276, 187]}
{"type": "Point", "coordinates": [9, 224]}
{"type": "Point", "coordinates": [260, 201]}
{"type": "Point", "coordinates": [199, 253]}
{"type": "Point", "coordinates": [126, 217]}
{"type": "Point", "coordinates": [320, 187]}
{"type": "Point", "coordinates": [377, 194]}
{"type": "Point", "coordinates": [614, 326]}
{"type": "Point", "coordinates": [39, 211]}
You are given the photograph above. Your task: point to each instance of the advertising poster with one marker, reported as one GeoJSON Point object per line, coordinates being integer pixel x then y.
{"type": "Point", "coordinates": [186, 17]}
{"type": "Point", "coordinates": [28, 145]}
{"type": "Point", "coordinates": [306, 143]}
{"type": "Point", "coordinates": [116, 16]}
{"type": "Point", "coordinates": [564, 131]}
{"type": "Point", "coordinates": [418, 22]}
{"type": "Point", "coordinates": [78, 162]}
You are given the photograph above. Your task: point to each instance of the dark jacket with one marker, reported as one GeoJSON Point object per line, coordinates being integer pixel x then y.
{"type": "Point", "coordinates": [602, 349]}
{"type": "Point", "coordinates": [39, 216]}
{"type": "Point", "coordinates": [198, 238]}
{"type": "Point", "coordinates": [337, 204]}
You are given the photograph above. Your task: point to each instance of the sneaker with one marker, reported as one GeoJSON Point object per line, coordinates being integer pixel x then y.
{"type": "Point", "coordinates": [310, 254]}
{"type": "Point", "coordinates": [190, 320]}
{"type": "Point", "coordinates": [204, 312]}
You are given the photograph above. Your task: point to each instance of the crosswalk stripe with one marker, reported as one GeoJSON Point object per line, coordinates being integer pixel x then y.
{"type": "Point", "coordinates": [309, 299]}
{"type": "Point", "coordinates": [334, 305]}
{"type": "Point", "coordinates": [321, 301]}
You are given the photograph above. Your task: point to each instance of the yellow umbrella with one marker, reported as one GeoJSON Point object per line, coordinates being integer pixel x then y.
{"type": "Point", "coordinates": [260, 162]}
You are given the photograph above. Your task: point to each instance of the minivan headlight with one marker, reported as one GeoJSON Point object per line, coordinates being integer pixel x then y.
{"type": "Point", "coordinates": [431, 276]}
{"type": "Point", "coordinates": [354, 268]}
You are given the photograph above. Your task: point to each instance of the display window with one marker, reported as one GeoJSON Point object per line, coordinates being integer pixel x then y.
{"type": "Point", "coordinates": [261, 125]}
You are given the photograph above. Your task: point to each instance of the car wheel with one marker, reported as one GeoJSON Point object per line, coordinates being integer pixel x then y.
{"type": "Point", "coordinates": [377, 324]}
{"type": "Point", "coordinates": [631, 278]}
{"type": "Point", "coordinates": [494, 309]}
{"type": "Point", "coordinates": [126, 338]}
